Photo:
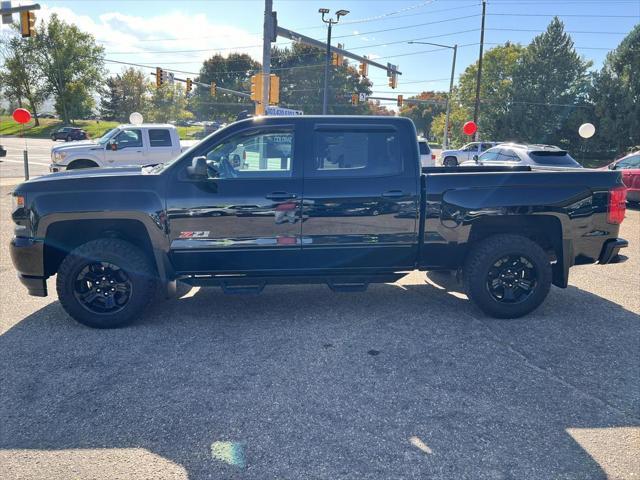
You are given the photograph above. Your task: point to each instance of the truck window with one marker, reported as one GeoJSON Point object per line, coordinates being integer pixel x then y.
{"type": "Point", "coordinates": [424, 148]}
{"type": "Point", "coordinates": [255, 154]}
{"type": "Point", "coordinates": [128, 138]}
{"type": "Point", "coordinates": [357, 153]}
{"type": "Point", "coordinates": [159, 137]}
{"type": "Point", "coordinates": [553, 158]}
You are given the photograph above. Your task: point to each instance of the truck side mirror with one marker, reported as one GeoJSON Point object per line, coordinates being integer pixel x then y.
{"type": "Point", "coordinates": [612, 166]}
{"type": "Point", "coordinates": [475, 158]}
{"type": "Point", "coordinates": [198, 168]}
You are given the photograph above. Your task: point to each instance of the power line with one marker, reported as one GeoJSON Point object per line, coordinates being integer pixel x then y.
{"type": "Point", "coordinates": [585, 15]}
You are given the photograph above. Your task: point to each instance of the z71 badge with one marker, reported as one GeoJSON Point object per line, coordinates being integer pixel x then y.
{"type": "Point", "coordinates": [198, 234]}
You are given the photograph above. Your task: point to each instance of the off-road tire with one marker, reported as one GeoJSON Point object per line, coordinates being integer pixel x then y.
{"type": "Point", "coordinates": [450, 162]}
{"type": "Point", "coordinates": [125, 255]}
{"type": "Point", "coordinates": [481, 259]}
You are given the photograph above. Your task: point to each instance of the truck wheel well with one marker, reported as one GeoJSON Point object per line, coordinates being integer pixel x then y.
{"type": "Point", "coordinates": [64, 236]}
{"type": "Point", "coordinates": [82, 163]}
{"type": "Point", "coordinates": [545, 230]}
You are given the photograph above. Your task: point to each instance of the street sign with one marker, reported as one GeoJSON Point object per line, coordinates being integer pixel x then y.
{"type": "Point", "coordinates": [6, 17]}
{"type": "Point", "coordinates": [280, 111]}
{"type": "Point", "coordinates": [362, 97]}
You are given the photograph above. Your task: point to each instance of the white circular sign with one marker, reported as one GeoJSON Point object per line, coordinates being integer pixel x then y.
{"type": "Point", "coordinates": [135, 118]}
{"type": "Point", "coordinates": [587, 130]}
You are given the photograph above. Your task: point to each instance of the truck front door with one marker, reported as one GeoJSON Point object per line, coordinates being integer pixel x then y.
{"type": "Point", "coordinates": [125, 148]}
{"type": "Point", "coordinates": [361, 187]}
{"type": "Point", "coordinates": [246, 216]}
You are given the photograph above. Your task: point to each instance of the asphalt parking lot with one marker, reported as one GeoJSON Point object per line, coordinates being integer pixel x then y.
{"type": "Point", "coordinates": [12, 166]}
{"type": "Point", "coordinates": [406, 380]}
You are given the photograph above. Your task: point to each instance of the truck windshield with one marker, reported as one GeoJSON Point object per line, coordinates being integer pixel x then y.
{"type": "Point", "coordinates": [105, 138]}
{"type": "Point", "coordinates": [554, 158]}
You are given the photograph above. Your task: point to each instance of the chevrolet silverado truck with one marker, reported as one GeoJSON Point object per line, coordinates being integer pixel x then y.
{"type": "Point", "coordinates": [121, 146]}
{"type": "Point", "coordinates": [338, 200]}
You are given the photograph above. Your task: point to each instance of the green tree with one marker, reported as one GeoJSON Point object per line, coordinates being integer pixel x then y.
{"type": "Point", "coordinates": [496, 90]}
{"type": "Point", "coordinates": [423, 114]}
{"type": "Point", "coordinates": [125, 93]}
{"type": "Point", "coordinates": [70, 61]}
{"type": "Point", "coordinates": [459, 115]}
{"type": "Point", "coordinates": [167, 103]}
{"type": "Point", "coordinates": [234, 73]}
{"type": "Point", "coordinates": [19, 77]}
{"type": "Point", "coordinates": [301, 71]}
{"type": "Point", "coordinates": [616, 96]}
{"type": "Point", "coordinates": [550, 75]}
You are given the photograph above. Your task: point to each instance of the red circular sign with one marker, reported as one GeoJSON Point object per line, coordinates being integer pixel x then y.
{"type": "Point", "coordinates": [21, 115]}
{"type": "Point", "coordinates": [469, 128]}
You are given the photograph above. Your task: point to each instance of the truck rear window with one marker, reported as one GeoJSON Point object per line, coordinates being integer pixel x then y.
{"type": "Point", "coordinates": [357, 153]}
{"type": "Point", "coordinates": [159, 138]}
{"type": "Point", "coordinates": [424, 148]}
{"type": "Point", "coordinates": [554, 159]}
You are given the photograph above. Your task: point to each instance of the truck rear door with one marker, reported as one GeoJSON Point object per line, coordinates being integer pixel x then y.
{"type": "Point", "coordinates": [161, 145]}
{"type": "Point", "coordinates": [361, 197]}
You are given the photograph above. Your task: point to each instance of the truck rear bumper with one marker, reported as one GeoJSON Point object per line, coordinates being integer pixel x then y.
{"type": "Point", "coordinates": [610, 249]}
{"type": "Point", "coordinates": [27, 257]}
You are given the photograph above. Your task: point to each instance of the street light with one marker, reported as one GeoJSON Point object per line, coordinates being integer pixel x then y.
{"type": "Point", "coordinates": [330, 22]}
{"type": "Point", "coordinates": [453, 71]}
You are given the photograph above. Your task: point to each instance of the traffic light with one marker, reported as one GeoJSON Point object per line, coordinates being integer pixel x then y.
{"type": "Point", "coordinates": [274, 89]}
{"type": "Point", "coordinates": [256, 87]}
{"type": "Point", "coordinates": [363, 70]}
{"type": "Point", "coordinates": [189, 85]}
{"type": "Point", "coordinates": [354, 99]}
{"type": "Point", "coordinates": [400, 100]}
{"type": "Point", "coordinates": [392, 74]}
{"type": "Point", "coordinates": [336, 58]}
{"type": "Point", "coordinates": [213, 89]}
{"type": "Point", "coordinates": [159, 77]}
{"type": "Point", "coordinates": [27, 23]}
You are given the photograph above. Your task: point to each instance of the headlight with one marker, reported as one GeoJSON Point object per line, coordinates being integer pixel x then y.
{"type": "Point", "coordinates": [60, 156]}
{"type": "Point", "coordinates": [17, 201]}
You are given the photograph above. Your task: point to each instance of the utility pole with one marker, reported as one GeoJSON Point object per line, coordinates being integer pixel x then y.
{"type": "Point", "coordinates": [325, 97]}
{"type": "Point", "coordinates": [476, 110]}
{"type": "Point", "coordinates": [453, 73]}
{"type": "Point", "coordinates": [330, 22]}
{"type": "Point", "coordinates": [267, 33]}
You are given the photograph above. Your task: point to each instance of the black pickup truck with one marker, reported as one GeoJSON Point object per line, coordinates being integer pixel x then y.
{"type": "Point", "coordinates": [335, 199]}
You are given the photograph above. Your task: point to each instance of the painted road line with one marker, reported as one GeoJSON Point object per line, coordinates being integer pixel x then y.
{"type": "Point", "coordinates": [22, 161]}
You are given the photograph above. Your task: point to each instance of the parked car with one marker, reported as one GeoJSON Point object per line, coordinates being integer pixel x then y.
{"type": "Point", "coordinates": [347, 205]}
{"type": "Point", "coordinates": [3, 151]}
{"type": "Point", "coordinates": [513, 154]}
{"type": "Point", "coordinates": [47, 115]}
{"type": "Point", "coordinates": [124, 145]}
{"type": "Point", "coordinates": [427, 158]}
{"type": "Point", "coordinates": [68, 134]}
{"type": "Point", "coordinates": [452, 158]}
{"type": "Point", "coordinates": [629, 166]}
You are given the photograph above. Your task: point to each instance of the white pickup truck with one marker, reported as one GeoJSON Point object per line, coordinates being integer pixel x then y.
{"type": "Point", "coordinates": [142, 144]}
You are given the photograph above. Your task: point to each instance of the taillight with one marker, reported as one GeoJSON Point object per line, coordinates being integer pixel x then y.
{"type": "Point", "coordinates": [433, 156]}
{"type": "Point", "coordinates": [617, 205]}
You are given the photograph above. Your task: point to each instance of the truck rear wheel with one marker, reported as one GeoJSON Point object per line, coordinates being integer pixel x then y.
{"type": "Point", "coordinates": [450, 162]}
{"type": "Point", "coordinates": [106, 283]}
{"type": "Point", "coordinates": [507, 276]}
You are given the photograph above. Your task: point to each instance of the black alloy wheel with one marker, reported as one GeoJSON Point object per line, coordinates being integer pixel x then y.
{"type": "Point", "coordinates": [512, 279]}
{"type": "Point", "coordinates": [102, 288]}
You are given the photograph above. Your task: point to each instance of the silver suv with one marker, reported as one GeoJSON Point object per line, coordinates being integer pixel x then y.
{"type": "Point", "coordinates": [515, 154]}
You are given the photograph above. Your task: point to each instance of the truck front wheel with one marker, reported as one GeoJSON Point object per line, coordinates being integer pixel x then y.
{"type": "Point", "coordinates": [106, 283]}
{"type": "Point", "coordinates": [507, 276]}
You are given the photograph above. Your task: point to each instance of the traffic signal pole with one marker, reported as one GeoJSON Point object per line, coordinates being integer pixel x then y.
{"type": "Point", "coordinates": [266, 52]}
{"type": "Point", "coordinates": [325, 98]}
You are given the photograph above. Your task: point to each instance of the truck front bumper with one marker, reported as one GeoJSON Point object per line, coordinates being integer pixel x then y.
{"type": "Point", "coordinates": [610, 249]}
{"type": "Point", "coordinates": [54, 167]}
{"type": "Point", "coordinates": [27, 257]}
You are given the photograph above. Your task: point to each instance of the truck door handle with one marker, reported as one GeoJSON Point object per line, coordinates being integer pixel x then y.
{"type": "Point", "coordinates": [394, 194]}
{"type": "Point", "coordinates": [278, 196]}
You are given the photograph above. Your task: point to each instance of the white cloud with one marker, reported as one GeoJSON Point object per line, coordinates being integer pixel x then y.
{"type": "Point", "coordinates": [177, 30]}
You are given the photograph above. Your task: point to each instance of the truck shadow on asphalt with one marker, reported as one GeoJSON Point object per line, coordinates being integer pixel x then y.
{"type": "Point", "coordinates": [303, 383]}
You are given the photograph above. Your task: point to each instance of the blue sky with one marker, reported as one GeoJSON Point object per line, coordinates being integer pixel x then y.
{"type": "Point", "coordinates": [173, 29]}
